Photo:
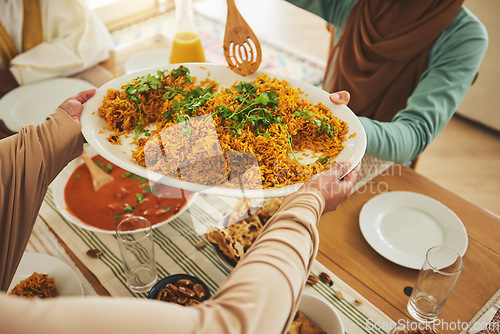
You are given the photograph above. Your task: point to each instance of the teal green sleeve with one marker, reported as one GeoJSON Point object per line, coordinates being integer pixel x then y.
{"type": "Point", "coordinates": [453, 64]}
{"type": "Point", "coordinates": [332, 11]}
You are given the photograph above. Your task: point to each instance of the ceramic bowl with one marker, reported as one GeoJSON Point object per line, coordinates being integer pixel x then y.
{"type": "Point", "coordinates": [172, 279]}
{"type": "Point", "coordinates": [321, 313]}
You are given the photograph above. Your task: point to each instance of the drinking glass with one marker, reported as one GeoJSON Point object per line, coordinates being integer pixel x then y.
{"type": "Point", "coordinates": [135, 240]}
{"type": "Point", "coordinates": [435, 281]}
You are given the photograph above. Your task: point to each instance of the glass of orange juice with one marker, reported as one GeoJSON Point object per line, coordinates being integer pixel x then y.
{"type": "Point", "coordinates": [186, 43]}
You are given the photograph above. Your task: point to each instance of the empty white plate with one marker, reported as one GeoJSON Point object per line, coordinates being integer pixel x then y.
{"type": "Point", "coordinates": [401, 226]}
{"type": "Point", "coordinates": [32, 103]}
{"type": "Point", "coordinates": [65, 279]}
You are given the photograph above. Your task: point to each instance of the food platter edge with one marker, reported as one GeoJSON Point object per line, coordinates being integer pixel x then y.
{"type": "Point", "coordinates": [93, 128]}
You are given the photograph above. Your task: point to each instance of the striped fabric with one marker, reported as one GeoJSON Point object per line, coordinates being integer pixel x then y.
{"type": "Point", "coordinates": [177, 252]}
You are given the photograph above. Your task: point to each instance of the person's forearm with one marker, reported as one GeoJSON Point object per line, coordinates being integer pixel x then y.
{"type": "Point", "coordinates": [260, 295]}
{"type": "Point", "coordinates": [30, 160]}
{"type": "Point", "coordinates": [399, 142]}
{"type": "Point", "coordinates": [282, 257]}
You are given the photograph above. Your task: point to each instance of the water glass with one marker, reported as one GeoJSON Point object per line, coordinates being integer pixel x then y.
{"type": "Point", "coordinates": [435, 281]}
{"type": "Point", "coordinates": [135, 240]}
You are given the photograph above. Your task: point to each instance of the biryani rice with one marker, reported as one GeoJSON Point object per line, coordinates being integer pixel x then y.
{"type": "Point", "coordinates": [36, 285]}
{"type": "Point", "coordinates": [202, 156]}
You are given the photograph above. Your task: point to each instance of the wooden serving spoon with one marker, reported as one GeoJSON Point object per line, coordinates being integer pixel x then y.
{"type": "Point", "coordinates": [241, 46]}
{"type": "Point", "coordinates": [99, 176]}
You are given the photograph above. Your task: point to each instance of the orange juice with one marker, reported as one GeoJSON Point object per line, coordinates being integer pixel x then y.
{"type": "Point", "coordinates": [186, 48]}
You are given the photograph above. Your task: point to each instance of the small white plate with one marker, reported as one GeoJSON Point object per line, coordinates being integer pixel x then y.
{"type": "Point", "coordinates": [66, 281]}
{"type": "Point", "coordinates": [62, 178]}
{"type": "Point", "coordinates": [145, 59]}
{"type": "Point", "coordinates": [401, 226]}
{"type": "Point", "coordinates": [32, 103]}
{"type": "Point", "coordinates": [94, 129]}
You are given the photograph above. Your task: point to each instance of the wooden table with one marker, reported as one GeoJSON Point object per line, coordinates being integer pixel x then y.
{"type": "Point", "coordinates": [345, 252]}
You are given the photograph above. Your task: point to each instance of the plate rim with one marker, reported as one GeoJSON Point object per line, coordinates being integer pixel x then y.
{"type": "Point", "coordinates": [92, 134]}
{"type": "Point", "coordinates": [371, 237]}
{"type": "Point", "coordinates": [39, 257]}
{"type": "Point", "coordinates": [59, 183]}
{"type": "Point", "coordinates": [13, 95]}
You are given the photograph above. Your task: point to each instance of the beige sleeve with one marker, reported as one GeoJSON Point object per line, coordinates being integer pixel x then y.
{"type": "Point", "coordinates": [259, 296]}
{"type": "Point", "coordinates": [30, 160]}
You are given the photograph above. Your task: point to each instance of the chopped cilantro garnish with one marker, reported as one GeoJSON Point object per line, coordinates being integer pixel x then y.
{"type": "Point", "coordinates": [129, 208]}
{"type": "Point", "coordinates": [323, 124]}
{"type": "Point", "coordinates": [140, 197]}
{"type": "Point", "coordinates": [108, 168]}
{"type": "Point", "coordinates": [324, 160]}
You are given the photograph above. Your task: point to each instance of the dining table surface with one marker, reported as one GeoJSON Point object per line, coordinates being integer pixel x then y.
{"type": "Point", "coordinates": [344, 250]}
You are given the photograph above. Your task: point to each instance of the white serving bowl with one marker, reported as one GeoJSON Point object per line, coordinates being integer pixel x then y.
{"type": "Point", "coordinates": [321, 313]}
{"type": "Point", "coordinates": [59, 184]}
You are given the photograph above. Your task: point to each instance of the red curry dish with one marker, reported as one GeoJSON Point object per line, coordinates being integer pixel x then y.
{"type": "Point", "coordinates": [128, 194]}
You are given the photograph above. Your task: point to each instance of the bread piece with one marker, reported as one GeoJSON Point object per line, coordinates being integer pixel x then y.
{"type": "Point", "coordinates": [268, 209]}
{"type": "Point", "coordinates": [307, 327]}
{"type": "Point", "coordinates": [246, 231]}
{"type": "Point", "coordinates": [294, 327]}
{"type": "Point", "coordinates": [242, 228]}
{"type": "Point", "coordinates": [241, 210]}
{"type": "Point", "coordinates": [231, 249]}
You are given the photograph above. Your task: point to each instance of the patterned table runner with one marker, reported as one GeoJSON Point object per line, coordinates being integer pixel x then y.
{"type": "Point", "coordinates": [177, 252]}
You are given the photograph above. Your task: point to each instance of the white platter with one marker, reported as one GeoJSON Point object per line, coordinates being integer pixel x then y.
{"type": "Point", "coordinates": [401, 226]}
{"type": "Point", "coordinates": [146, 59]}
{"type": "Point", "coordinates": [66, 280]}
{"type": "Point", "coordinates": [59, 184]}
{"type": "Point", "coordinates": [93, 128]}
{"type": "Point", "coordinates": [32, 103]}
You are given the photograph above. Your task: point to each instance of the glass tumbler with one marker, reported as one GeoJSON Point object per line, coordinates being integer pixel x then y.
{"type": "Point", "coordinates": [135, 239]}
{"type": "Point", "coordinates": [434, 284]}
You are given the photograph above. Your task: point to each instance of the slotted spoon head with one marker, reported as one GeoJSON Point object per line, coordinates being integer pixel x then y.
{"type": "Point", "coordinates": [241, 46]}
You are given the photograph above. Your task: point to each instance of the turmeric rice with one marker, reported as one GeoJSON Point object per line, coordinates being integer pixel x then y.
{"type": "Point", "coordinates": [37, 285]}
{"type": "Point", "coordinates": [246, 134]}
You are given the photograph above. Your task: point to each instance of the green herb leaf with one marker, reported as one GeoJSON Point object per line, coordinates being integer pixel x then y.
{"type": "Point", "coordinates": [108, 168]}
{"type": "Point", "coordinates": [147, 189]}
{"type": "Point", "coordinates": [324, 160]}
{"type": "Point", "coordinates": [129, 208]}
{"type": "Point", "coordinates": [140, 197]}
